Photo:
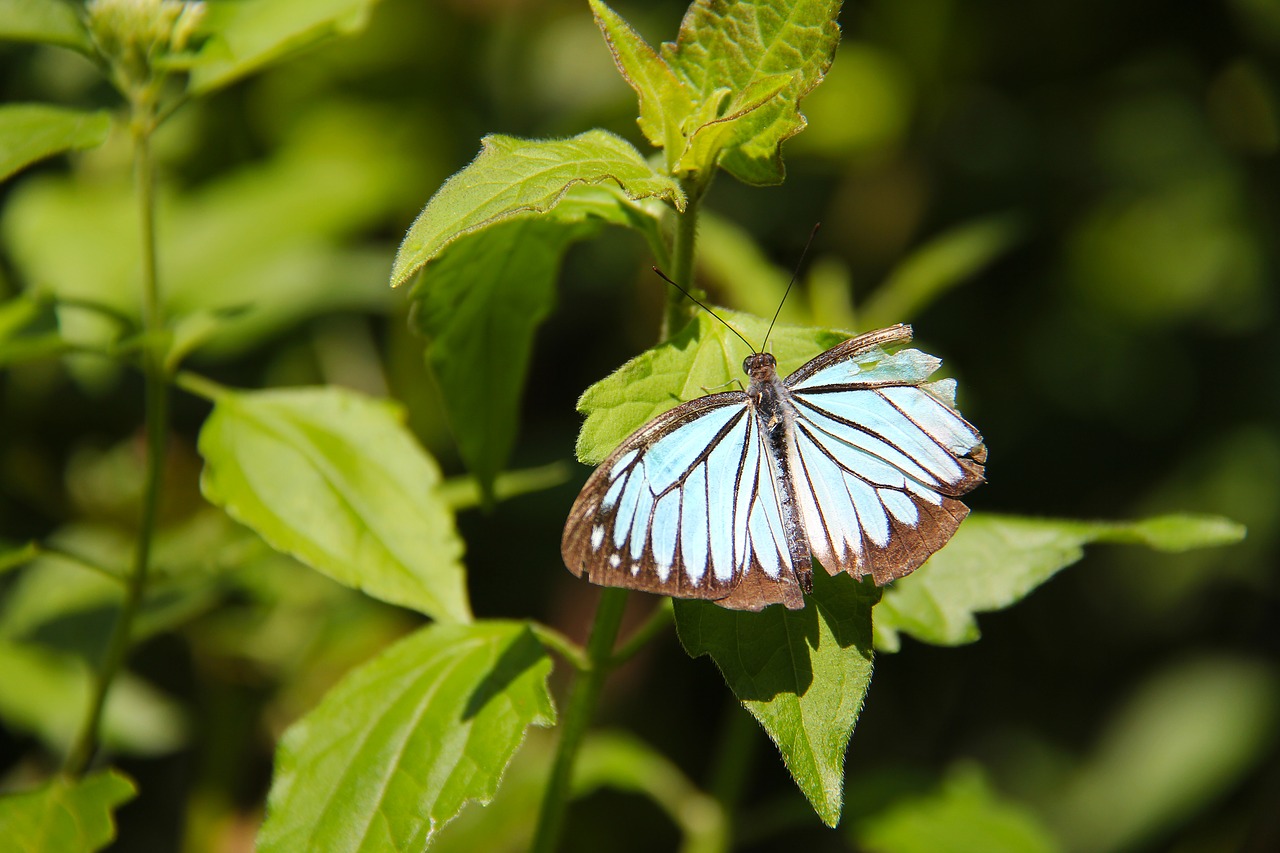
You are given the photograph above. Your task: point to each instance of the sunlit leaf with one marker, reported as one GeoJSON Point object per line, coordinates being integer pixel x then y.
{"type": "Point", "coordinates": [48, 21]}
{"type": "Point", "coordinates": [66, 815]}
{"type": "Point", "coordinates": [1185, 738]}
{"type": "Point", "coordinates": [702, 358]}
{"type": "Point", "coordinates": [994, 561]}
{"type": "Point", "coordinates": [335, 479]}
{"type": "Point", "coordinates": [245, 35]}
{"type": "Point", "coordinates": [405, 740]}
{"type": "Point", "coordinates": [32, 132]}
{"type": "Point", "coordinates": [46, 693]}
{"type": "Point", "coordinates": [964, 815]}
{"type": "Point", "coordinates": [517, 176]}
{"type": "Point", "coordinates": [803, 674]}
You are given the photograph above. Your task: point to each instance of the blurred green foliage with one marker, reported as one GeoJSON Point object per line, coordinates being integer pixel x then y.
{"type": "Point", "coordinates": [1072, 201]}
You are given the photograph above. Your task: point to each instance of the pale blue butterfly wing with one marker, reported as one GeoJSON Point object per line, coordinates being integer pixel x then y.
{"type": "Point", "coordinates": [858, 461]}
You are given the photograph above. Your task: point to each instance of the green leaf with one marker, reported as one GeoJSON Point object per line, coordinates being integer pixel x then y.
{"type": "Point", "coordinates": [1186, 737]}
{"type": "Point", "coordinates": [994, 561]}
{"type": "Point", "coordinates": [703, 357]}
{"type": "Point", "coordinates": [404, 741]}
{"type": "Point", "coordinates": [963, 815]}
{"type": "Point", "coordinates": [12, 558]}
{"type": "Point", "coordinates": [803, 674]}
{"type": "Point", "coordinates": [48, 21]}
{"type": "Point", "coordinates": [938, 266]}
{"type": "Point", "coordinates": [723, 128]}
{"type": "Point", "coordinates": [479, 306]}
{"type": "Point", "coordinates": [32, 132]}
{"type": "Point", "coordinates": [46, 693]}
{"type": "Point", "coordinates": [518, 176]}
{"type": "Point", "coordinates": [665, 101]}
{"type": "Point", "coordinates": [736, 45]}
{"type": "Point", "coordinates": [66, 815]}
{"type": "Point", "coordinates": [245, 35]}
{"type": "Point", "coordinates": [335, 479]}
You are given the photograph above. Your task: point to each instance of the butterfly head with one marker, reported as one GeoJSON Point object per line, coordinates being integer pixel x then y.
{"type": "Point", "coordinates": [760, 366]}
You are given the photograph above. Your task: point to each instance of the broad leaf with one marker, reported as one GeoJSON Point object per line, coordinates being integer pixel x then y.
{"type": "Point", "coordinates": [46, 693]}
{"type": "Point", "coordinates": [803, 674]}
{"type": "Point", "coordinates": [963, 815]}
{"type": "Point", "coordinates": [244, 35]}
{"type": "Point", "coordinates": [735, 45]}
{"type": "Point", "coordinates": [404, 741]}
{"type": "Point", "coordinates": [479, 306]}
{"type": "Point", "coordinates": [665, 100]}
{"type": "Point", "coordinates": [335, 479]}
{"type": "Point", "coordinates": [31, 132]}
{"type": "Point", "coordinates": [723, 129]}
{"type": "Point", "coordinates": [48, 21]}
{"type": "Point", "coordinates": [66, 815]}
{"type": "Point", "coordinates": [702, 358]}
{"type": "Point", "coordinates": [516, 176]}
{"type": "Point", "coordinates": [994, 561]}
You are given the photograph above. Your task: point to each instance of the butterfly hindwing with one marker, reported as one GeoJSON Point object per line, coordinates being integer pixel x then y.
{"type": "Point", "coordinates": [687, 506]}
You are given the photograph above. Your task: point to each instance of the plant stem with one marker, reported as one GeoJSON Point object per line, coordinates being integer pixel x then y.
{"type": "Point", "coordinates": [156, 402]}
{"type": "Point", "coordinates": [678, 307]}
{"type": "Point", "coordinates": [577, 718]}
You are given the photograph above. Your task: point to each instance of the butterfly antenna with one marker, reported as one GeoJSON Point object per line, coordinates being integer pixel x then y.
{"type": "Point", "coordinates": [794, 276]}
{"type": "Point", "coordinates": [697, 302]}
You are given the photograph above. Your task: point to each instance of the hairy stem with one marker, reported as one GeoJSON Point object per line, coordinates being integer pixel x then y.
{"type": "Point", "coordinates": [577, 718]}
{"type": "Point", "coordinates": [678, 310]}
{"type": "Point", "coordinates": [156, 402]}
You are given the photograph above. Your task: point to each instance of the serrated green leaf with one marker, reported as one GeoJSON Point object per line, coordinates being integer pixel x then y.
{"type": "Point", "coordinates": [404, 741]}
{"type": "Point", "coordinates": [665, 100]}
{"type": "Point", "coordinates": [994, 561]}
{"type": "Point", "coordinates": [246, 35]}
{"type": "Point", "coordinates": [513, 176]}
{"type": "Point", "coordinates": [31, 132]}
{"type": "Point", "coordinates": [335, 479]}
{"type": "Point", "coordinates": [46, 693]}
{"type": "Point", "coordinates": [803, 674]}
{"type": "Point", "coordinates": [479, 306]}
{"type": "Point", "coordinates": [1185, 738]}
{"type": "Point", "coordinates": [733, 45]}
{"type": "Point", "coordinates": [702, 358]}
{"type": "Point", "coordinates": [937, 266]}
{"type": "Point", "coordinates": [734, 125]}
{"type": "Point", "coordinates": [66, 815]}
{"type": "Point", "coordinates": [47, 21]}
{"type": "Point", "coordinates": [962, 816]}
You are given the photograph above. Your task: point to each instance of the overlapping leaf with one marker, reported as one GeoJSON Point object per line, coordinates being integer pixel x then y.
{"type": "Point", "coordinates": [66, 815]}
{"type": "Point", "coordinates": [31, 132]}
{"type": "Point", "coordinates": [518, 176]}
{"type": "Point", "coordinates": [404, 741]}
{"type": "Point", "coordinates": [803, 674]}
{"type": "Point", "coordinates": [48, 21]}
{"type": "Point", "coordinates": [994, 561]}
{"type": "Point", "coordinates": [335, 479]}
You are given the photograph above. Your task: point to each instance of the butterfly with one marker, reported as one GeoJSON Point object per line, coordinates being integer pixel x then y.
{"type": "Point", "coordinates": [855, 459]}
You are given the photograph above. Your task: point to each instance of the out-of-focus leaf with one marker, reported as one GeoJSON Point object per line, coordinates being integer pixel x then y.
{"type": "Point", "coordinates": [734, 262]}
{"type": "Point", "coordinates": [336, 480]}
{"type": "Point", "coordinates": [862, 108]}
{"type": "Point", "coordinates": [49, 21]}
{"type": "Point", "coordinates": [404, 741]}
{"type": "Point", "coordinates": [46, 693]}
{"type": "Point", "coordinates": [963, 816]}
{"type": "Point", "coordinates": [802, 673]}
{"type": "Point", "coordinates": [994, 561]}
{"type": "Point", "coordinates": [464, 492]}
{"type": "Point", "coordinates": [1184, 739]}
{"type": "Point", "coordinates": [12, 558]}
{"type": "Point", "coordinates": [513, 176]}
{"type": "Point", "coordinates": [622, 762]}
{"type": "Point", "coordinates": [31, 132]}
{"type": "Point", "coordinates": [702, 358]}
{"type": "Point", "coordinates": [66, 815]}
{"type": "Point", "coordinates": [938, 266]}
{"type": "Point", "coordinates": [245, 35]}
{"type": "Point", "coordinates": [736, 45]}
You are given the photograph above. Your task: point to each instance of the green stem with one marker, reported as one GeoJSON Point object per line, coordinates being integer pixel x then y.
{"type": "Point", "coordinates": [682, 253]}
{"type": "Point", "coordinates": [157, 426]}
{"type": "Point", "coordinates": [659, 619]}
{"type": "Point", "coordinates": [735, 750]}
{"type": "Point", "coordinates": [577, 718]}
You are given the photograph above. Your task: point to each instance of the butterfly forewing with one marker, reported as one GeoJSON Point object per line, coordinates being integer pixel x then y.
{"type": "Point", "coordinates": [687, 506]}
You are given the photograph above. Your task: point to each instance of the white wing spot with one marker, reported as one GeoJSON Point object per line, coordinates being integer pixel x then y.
{"type": "Point", "coordinates": [597, 537]}
{"type": "Point", "coordinates": [635, 569]}
{"type": "Point", "coordinates": [614, 561]}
